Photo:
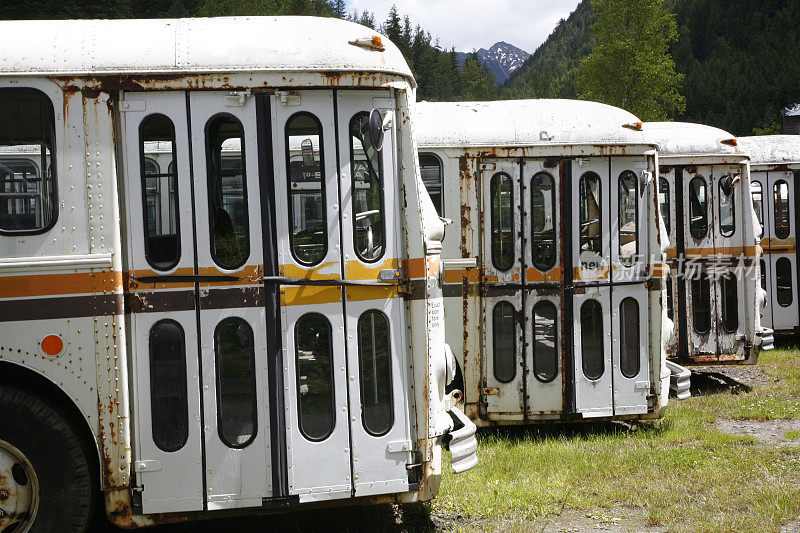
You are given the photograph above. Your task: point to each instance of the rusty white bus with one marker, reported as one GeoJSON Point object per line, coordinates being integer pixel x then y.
{"type": "Point", "coordinates": [713, 292]}
{"type": "Point", "coordinates": [219, 274]}
{"type": "Point", "coordinates": [774, 175]}
{"type": "Point", "coordinates": [554, 262]}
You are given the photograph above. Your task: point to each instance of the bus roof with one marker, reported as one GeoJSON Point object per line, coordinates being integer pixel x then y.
{"type": "Point", "coordinates": [686, 139]}
{"type": "Point", "coordinates": [772, 149]}
{"type": "Point", "coordinates": [541, 122]}
{"type": "Point", "coordinates": [195, 45]}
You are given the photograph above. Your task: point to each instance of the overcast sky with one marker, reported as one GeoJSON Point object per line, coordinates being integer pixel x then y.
{"type": "Point", "coordinates": [468, 24]}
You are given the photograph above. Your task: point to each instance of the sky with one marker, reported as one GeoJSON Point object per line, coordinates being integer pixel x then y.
{"type": "Point", "coordinates": [474, 24]}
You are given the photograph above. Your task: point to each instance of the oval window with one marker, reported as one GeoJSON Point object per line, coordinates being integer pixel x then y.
{"type": "Point", "coordinates": [763, 268]}
{"type": "Point", "coordinates": [430, 166]}
{"type": "Point", "coordinates": [698, 208]}
{"type": "Point", "coordinates": [664, 202]}
{"type": "Point", "coordinates": [162, 243]}
{"type": "Point", "coordinates": [727, 210]}
{"type": "Point", "coordinates": [305, 172]}
{"type": "Point", "coordinates": [783, 281]}
{"type": "Point", "coordinates": [730, 303]}
{"type": "Point", "coordinates": [375, 359]}
{"type": "Point", "coordinates": [701, 304]}
{"type": "Point", "coordinates": [543, 219]}
{"type": "Point", "coordinates": [592, 358]}
{"type": "Point", "coordinates": [236, 382]}
{"type": "Point", "coordinates": [545, 341]}
{"type": "Point", "coordinates": [591, 215]}
{"type": "Point", "coordinates": [502, 213]}
{"type": "Point", "coordinates": [367, 195]}
{"type": "Point", "coordinates": [628, 221]}
{"type": "Point", "coordinates": [758, 204]}
{"type": "Point", "coordinates": [314, 360]}
{"type": "Point", "coordinates": [629, 360]}
{"type": "Point", "coordinates": [169, 405]}
{"type": "Point", "coordinates": [504, 342]}
{"type": "Point", "coordinates": [780, 193]}
{"type": "Point", "coordinates": [227, 192]}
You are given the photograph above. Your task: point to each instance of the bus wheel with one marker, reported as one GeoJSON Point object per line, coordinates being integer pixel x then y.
{"type": "Point", "coordinates": [45, 479]}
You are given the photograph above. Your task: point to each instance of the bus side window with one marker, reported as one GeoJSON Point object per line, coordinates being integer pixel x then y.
{"type": "Point", "coordinates": [628, 218]}
{"type": "Point", "coordinates": [227, 192]}
{"type": "Point", "coordinates": [162, 243]}
{"type": "Point", "coordinates": [763, 268]}
{"type": "Point", "coordinates": [504, 344]}
{"type": "Point", "coordinates": [670, 312]}
{"type": "Point", "coordinates": [727, 210]}
{"type": "Point", "coordinates": [698, 208]}
{"type": "Point", "coordinates": [28, 199]}
{"type": "Point", "coordinates": [236, 382]}
{"type": "Point", "coordinates": [375, 360]}
{"type": "Point", "coordinates": [591, 214]}
{"type": "Point", "coordinates": [701, 304]}
{"type": "Point", "coordinates": [758, 204]}
{"type": "Point", "coordinates": [780, 193]}
{"type": "Point", "coordinates": [730, 303]}
{"type": "Point", "coordinates": [432, 176]}
{"type": "Point", "coordinates": [783, 281]}
{"type": "Point", "coordinates": [543, 232]}
{"type": "Point", "coordinates": [664, 201]}
{"type": "Point", "coordinates": [593, 360]}
{"type": "Point", "coordinates": [368, 211]}
{"type": "Point", "coordinates": [502, 214]}
{"type": "Point", "coordinates": [629, 337]}
{"type": "Point", "coordinates": [305, 163]}
{"type": "Point", "coordinates": [545, 341]}
{"type": "Point", "coordinates": [169, 403]}
{"type": "Point", "coordinates": [314, 360]}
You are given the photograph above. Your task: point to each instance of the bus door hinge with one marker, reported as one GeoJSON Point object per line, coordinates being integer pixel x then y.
{"type": "Point", "coordinates": [400, 446]}
{"type": "Point", "coordinates": [288, 98]}
{"type": "Point", "coordinates": [153, 465]}
{"type": "Point", "coordinates": [390, 274]}
{"type": "Point", "coordinates": [132, 105]}
{"type": "Point", "coordinates": [236, 98]}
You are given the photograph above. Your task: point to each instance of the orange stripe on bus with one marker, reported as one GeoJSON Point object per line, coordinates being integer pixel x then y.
{"type": "Point", "coordinates": [459, 275]}
{"type": "Point", "coordinates": [59, 284]}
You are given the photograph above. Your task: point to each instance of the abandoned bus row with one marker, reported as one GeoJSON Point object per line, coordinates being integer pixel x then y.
{"type": "Point", "coordinates": [242, 273]}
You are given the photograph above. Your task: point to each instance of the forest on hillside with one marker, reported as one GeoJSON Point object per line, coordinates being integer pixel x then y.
{"type": "Point", "coordinates": [437, 71]}
{"type": "Point", "coordinates": [740, 58]}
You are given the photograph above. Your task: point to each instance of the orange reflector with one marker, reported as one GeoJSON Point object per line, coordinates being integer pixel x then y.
{"type": "Point", "coordinates": [52, 345]}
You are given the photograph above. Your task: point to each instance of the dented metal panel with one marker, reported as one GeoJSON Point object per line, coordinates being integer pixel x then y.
{"type": "Point", "coordinates": [771, 151]}
{"type": "Point", "coordinates": [196, 45]}
{"type": "Point", "coordinates": [525, 123]}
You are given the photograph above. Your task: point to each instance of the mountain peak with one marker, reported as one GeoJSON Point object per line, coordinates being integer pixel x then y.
{"type": "Point", "coordinates": [501, 58]}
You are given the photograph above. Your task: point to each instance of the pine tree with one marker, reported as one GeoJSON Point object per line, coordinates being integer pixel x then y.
{"type": "Point", "coordinates": [392, 27]}
{"type": "Point", "coordinates": [630, 65]}
{"type": "Point", "coordinates": [339, 9]}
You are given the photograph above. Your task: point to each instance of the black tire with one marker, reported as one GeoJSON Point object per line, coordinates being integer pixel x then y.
{"type": "Point", "coordinates": [67, 484]}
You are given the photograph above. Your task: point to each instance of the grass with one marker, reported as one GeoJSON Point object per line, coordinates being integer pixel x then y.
{"type": "Point", "coordinates": [679, 473]}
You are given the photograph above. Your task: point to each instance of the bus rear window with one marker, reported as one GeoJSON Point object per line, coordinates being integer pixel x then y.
{"type": "Point", "coordinates": [27, 162]}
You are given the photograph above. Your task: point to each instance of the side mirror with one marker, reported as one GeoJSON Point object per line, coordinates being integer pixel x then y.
{"type": "Point", "coordinates": [378, 124]}
{"type": "Point", "coordinates": [726, 184]}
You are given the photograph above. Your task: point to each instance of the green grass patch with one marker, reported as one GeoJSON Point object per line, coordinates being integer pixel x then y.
{"type": "Point", "coordinates": [679, 473]}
